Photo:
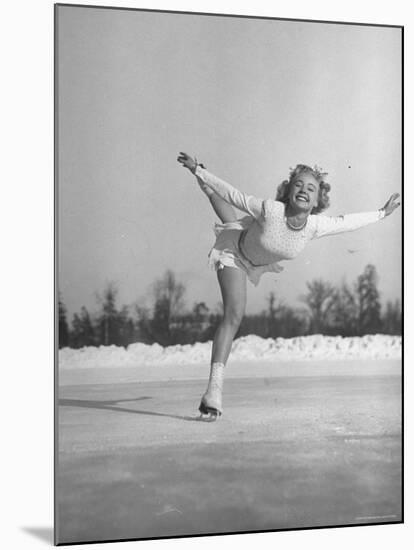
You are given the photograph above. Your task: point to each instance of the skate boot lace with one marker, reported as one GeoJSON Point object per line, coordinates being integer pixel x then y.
{"type": "Point", "coordinates": [211, 400]}
{"type": "Point", "coordinates": [216, 377]}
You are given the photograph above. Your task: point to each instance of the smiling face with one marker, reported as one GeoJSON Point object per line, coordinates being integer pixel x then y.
{"type": "Point", "coordinates": [303, 193]}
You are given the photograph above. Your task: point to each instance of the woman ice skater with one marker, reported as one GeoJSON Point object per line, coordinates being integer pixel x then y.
{"type": "Point", "coordinates": [273, 230]}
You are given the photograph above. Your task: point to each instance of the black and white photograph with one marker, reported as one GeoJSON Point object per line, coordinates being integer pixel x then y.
{"type": "Point", "coordinates": [229, 268]}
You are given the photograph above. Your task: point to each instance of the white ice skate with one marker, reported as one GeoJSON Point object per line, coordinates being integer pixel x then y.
{"type": "Point", "coordinates": [211, 403]}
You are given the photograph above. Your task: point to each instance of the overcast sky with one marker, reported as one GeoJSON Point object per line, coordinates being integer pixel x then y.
{"type": "Point", "coordinates": [251, 98]}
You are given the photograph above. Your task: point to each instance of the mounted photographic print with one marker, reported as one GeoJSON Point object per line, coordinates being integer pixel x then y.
{"type": "Point", "coordinates": [228, 274]}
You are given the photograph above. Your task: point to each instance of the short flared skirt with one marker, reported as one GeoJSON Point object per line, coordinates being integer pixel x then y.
{"type": "Point", "coordinates": [226, 251]}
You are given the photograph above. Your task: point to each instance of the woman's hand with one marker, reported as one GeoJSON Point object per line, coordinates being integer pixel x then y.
{"type": "Point", "coordinates": [187, 161]}
{"type": "Point", "coordinates": [391, 204]}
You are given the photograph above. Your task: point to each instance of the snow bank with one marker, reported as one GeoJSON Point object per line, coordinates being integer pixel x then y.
{"type": "Point", "coordinates": [247, 348]}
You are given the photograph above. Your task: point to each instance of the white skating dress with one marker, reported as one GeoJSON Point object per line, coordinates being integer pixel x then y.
{"type": "Point", "coordinates": [258, 242]}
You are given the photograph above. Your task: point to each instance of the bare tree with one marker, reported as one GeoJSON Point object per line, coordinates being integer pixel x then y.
{"type": "Point", "coordinates": [273, 309]}
{"type": "Point", "coordinates": [169, 291]}
{"type": "Point", "coordinates": [168, 296]}
{"type": "Point", "coordinates": [369, 316]}
{"type": "Point", "coordinates": [83, 333]}
{"type": "Point", "coordinates": [392, 318]}
{"type": "Point", "coordinates": [344, 311]}
{"type": "Point", "coordinates": [319, 301]}
{"type": "Point", "coordinates": [113, 324]}
{"type": "Point", "coordinates": [63, 330]}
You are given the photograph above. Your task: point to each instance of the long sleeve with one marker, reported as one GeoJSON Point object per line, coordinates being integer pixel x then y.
{"type": "Point", "coordinates": [247, 203]}
{"type": "Point", "coordinates": [326, 225]}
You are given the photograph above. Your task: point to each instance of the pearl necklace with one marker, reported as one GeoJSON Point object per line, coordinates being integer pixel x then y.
{"type": "Point", "coordinates": [293, 227]}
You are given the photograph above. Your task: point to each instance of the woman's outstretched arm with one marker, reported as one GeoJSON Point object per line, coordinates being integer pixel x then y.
{"type": "Point", "coordinates": [327, 225]}
{"type": "Point", "coordinates": [247, 203]}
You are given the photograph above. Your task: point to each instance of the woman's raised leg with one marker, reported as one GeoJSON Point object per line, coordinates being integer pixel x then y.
{"type": "Point", "coordinates": [223, 209]}
{"type": "Point", "coordinates": [233, 289]}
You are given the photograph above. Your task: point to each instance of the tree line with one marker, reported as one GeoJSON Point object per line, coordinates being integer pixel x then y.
{"type": "Point", "coordinates": [346, 310]}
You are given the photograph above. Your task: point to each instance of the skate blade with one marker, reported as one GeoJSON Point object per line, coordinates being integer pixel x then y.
{"type": "Point", "coordinates": [212, 416]}
{"type": "Point", "coordinates": [208, 414]}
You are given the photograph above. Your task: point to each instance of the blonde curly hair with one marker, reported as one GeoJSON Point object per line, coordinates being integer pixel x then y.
{"type": "Point", "coordinates": [283, 189]}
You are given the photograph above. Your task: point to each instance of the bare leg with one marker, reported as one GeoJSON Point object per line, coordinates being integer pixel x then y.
{"type": "Point", "coordinates": [223, 209]}
{"type": "Point", "coordinates": [233, 289]}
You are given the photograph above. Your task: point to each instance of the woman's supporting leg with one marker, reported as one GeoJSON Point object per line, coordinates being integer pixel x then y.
{"type": "Point", "coordinates": [223, 209]}
{"type": "Point", "coordinates": [233, 288]}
